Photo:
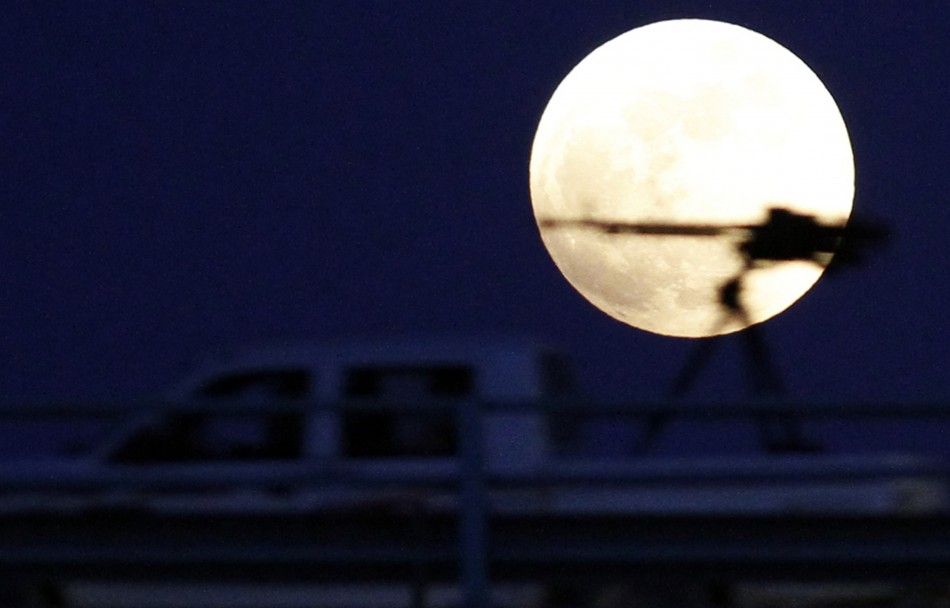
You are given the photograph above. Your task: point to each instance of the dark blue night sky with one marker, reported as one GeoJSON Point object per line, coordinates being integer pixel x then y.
{"type": "Point", "coordinates": [181, 178]}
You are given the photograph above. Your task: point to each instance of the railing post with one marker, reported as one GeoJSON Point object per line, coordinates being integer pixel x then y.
{"type": "Point", "coordinates": [473, 545]}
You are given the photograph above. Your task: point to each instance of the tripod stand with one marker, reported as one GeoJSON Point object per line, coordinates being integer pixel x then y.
{"type": "Point", "coordinates": [784, 237]}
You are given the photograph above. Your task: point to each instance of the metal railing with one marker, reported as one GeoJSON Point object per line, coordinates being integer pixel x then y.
{"type": "Point", "coordinates": [467, 472]}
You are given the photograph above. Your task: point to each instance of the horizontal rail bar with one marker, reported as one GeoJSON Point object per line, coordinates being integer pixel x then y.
{"type": "Point", "coordinates": [448, 473]}
{"type": "Point", "coordinates": [737, 409]}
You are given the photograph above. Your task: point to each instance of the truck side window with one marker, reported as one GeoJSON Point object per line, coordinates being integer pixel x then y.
{"type": "Point", "coordinates": [394, 433]}
{"type": "Point", "coordinates": [556, 376]}
{"type": "Point", "coordinates": [206, 436]}
{"type": "Point", "coordinates": [387, 434]}
{"type": "Point", "coordinates": [410, 382]}
{"type": "Point", "coordinates": [259, 383]}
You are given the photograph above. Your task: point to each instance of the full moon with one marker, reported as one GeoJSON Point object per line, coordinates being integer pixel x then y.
{"type": "Point", "coordinates": [686, 122]}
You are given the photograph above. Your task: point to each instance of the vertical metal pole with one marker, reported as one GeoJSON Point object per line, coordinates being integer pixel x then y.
{"type": "Point", "coordinates": [419, 571]}
{"type": "Point", "coordinates": [473, 546]}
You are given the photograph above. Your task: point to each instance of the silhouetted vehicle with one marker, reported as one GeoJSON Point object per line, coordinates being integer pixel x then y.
{"type": "Point", "coordinates": [358, 473]}
{"type": "Point", "coordinates": [281, 429]}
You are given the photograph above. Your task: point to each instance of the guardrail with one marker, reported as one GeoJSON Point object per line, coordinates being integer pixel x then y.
{"type": "Point", "coordinates": [467, 472]}
{"type": "Point", "coordinates": [688, 409]}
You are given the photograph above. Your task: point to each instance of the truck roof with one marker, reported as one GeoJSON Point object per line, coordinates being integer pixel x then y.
{"type": "Point", "coordinates": [505, 365]}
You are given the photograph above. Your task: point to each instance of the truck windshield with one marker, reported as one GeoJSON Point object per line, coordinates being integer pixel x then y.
{"type": "Point", "coordinates": [215, 436]}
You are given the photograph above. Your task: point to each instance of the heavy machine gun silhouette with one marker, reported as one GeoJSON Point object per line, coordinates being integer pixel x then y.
{"type": "Point", "coordinates": [785, 236]}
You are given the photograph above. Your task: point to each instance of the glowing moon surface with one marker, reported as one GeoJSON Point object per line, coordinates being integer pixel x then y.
{"type": "Point", "coordinates": [686, 122]}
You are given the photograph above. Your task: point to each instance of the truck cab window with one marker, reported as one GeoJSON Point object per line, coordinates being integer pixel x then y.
{"type": "Point", "coordinates": [369, 433]}
{"type": "Point", "coordinates": [410, 382]}
{"type": "Point", "coordinates": [556, 376]}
